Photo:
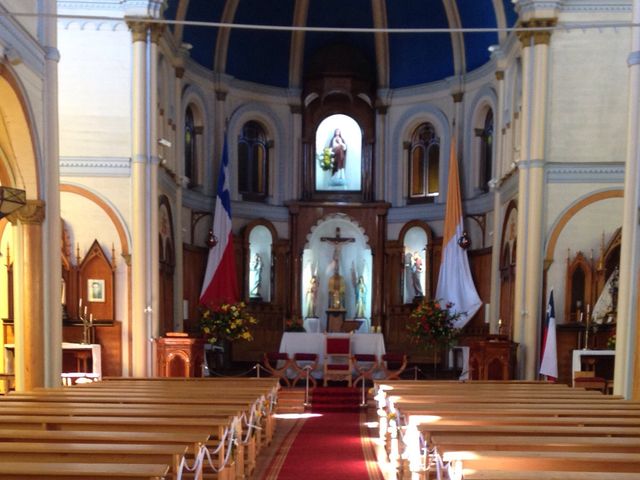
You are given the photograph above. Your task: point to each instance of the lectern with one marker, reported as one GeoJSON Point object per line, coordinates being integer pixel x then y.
{"type": "Point", "coordinates": [180, 356]}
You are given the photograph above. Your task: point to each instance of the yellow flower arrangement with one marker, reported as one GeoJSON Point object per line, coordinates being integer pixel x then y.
{"type": "Point", "coordinates": [325, 158]}
{"type": "Point", "coordinates": [226, 321]}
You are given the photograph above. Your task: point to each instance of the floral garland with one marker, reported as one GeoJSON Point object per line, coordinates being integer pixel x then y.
{"type": "Point", "coordinates": [226, 321]}
{"type": "Point", "coordinates": [432, 325]}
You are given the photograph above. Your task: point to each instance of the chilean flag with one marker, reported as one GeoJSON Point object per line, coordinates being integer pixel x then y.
{"type": "Point", "coordinates": [455, 284]}
{"type": "Point", "coordinates": [220, 283]}
{"type": "Point", "coordinates": [549, 363]}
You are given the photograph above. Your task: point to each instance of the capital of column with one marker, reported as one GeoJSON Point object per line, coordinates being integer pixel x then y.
{"type": "Point", "coordinates": [221, 95]}
{"type": "Point", "coordinates": [499, 75]}
{"type": "Point", "coordinates": [32, 213]}
{"type": "Point", "coordinates": [179, 72]}
{"type": "Point", "coordinates": [156, 31]}
{"type": "Point", "coordinates": [541, 36]}
{"type": "Point", "coordinates": [138, 30]}
{"type": "Point", "coordinates": [457, 97]}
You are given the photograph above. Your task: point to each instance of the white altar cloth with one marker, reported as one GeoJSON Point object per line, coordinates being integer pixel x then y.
{"type": "Point", "coordinates": [361, 343]}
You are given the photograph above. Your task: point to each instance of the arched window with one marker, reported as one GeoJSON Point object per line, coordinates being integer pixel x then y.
{"type": "Point", "coordinates": [190, 150]}
{"type": "Point", "coordinates": [424, 164]}
{"type": "Point", "coordinates": [253, 162]}
{"type": "Point", "coordinates": [486, 151]}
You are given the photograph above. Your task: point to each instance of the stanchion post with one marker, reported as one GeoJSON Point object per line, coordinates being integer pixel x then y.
{"type": "Point", "coordinates": [306, 386]}
{"type": "Point", "coordinates": [364, 401]}
{"type": "Point", "coordinates": [258, 370]}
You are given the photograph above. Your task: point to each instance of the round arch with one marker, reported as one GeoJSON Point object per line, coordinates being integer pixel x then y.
{"type": "Point", "coordinates": [109, 211]}
{"type": "Point", "coordinates": [569, 213]}
{"type": "Point", "coordinates": [19, 167]}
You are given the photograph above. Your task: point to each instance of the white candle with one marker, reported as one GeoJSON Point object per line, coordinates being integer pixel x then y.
{"type": "Point", "coordinates": [80, 304]}
{"type": "Point", "coordinates": [185, 309]}
{"type": "Point", "coordinates": [85, 310]}
{"type": "Point", "coordinates": [91, 318]}
{"type": "Point", "coordinates": [487, 311]}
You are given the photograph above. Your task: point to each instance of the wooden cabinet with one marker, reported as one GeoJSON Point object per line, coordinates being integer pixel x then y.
{"type": "Point", "coordinates": [492, 358]}
{"type": "Point", "coordinates": [180, 356]}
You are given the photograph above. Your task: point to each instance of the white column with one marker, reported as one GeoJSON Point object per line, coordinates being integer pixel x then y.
{"type": "Point", "coordinates": [496, 251]}
{"type": "Point", "coordinates": [178, 283]}
{"type": "Point", "coordinates": [139, 157]}
{"type": "Point", "coordinates": [627, 362]}
{"type": "Point", "coordinates": [531, 197]}
{"type": "Point", "coordinates": [52, 269]}
{"type": "Point", "coordinates": [153, 202]}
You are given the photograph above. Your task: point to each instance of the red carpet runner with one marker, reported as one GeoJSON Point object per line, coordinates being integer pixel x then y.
{"type": "Point", "coordinates": [330, 446]}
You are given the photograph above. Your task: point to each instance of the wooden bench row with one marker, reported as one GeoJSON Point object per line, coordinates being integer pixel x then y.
{"type": "Point", "coordinates": [512, 429]}
{"type": "Point", "coordinates": [134, 428]}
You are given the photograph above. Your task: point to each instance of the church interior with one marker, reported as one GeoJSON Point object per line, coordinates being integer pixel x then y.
{"type": "Point", "coordinates": [330, 127]}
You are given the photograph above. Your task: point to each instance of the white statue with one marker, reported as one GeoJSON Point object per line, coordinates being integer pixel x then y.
{"type": "Point", "coordinates": [256, 269]}
{"type": "Point", "coordinates": [311, 298]}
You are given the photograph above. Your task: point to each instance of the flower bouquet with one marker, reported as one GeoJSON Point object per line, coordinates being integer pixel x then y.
{"type": "Point", "coordinates": [431, 325]}
{"type": "Point", "coordinates": [325, 158]}
{"type": "Point", "coordinates": [226, 321]}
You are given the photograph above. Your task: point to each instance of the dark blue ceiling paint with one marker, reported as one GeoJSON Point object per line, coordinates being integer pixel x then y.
{"type": "Point", "coordinates": [418, 58]}
{"type": "Point", "coordinates": [510, 12]}
{"type": "Point", "coordinates": [203, 39]}
{"type": "Point", "coordinates": [258, 55]}
{"type": "Point", "coordinates": [171, 11]}
{"type": "Point", "coordinates": [341, 14]}
{"type": "Point", "coordinates": [477, 14]}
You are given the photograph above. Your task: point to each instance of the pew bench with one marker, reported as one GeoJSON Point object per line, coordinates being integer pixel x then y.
{"type": "Point", "coordinates": [81, 471]}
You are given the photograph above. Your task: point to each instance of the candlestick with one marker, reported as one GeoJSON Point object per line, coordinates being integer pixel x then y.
{"type": "Point", "coordinates": [85, 310]}
{"type": "Point", "coordinates": [80, 304]}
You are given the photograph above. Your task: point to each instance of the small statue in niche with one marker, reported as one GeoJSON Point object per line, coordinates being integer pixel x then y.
{"type": "Point", "coordinates": [256, 272]}
{"type": "Point", "coordinates": [361, 297]}
{"type": "Point", "coordinates": [416, 273]}
{"type": "Point", "coordinates": [311, 298]}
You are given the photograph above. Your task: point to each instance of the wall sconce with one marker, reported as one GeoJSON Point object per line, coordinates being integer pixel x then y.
{"type": "Point", "coordinates": [11, 199]}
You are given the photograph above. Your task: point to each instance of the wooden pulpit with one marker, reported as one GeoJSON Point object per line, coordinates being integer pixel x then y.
{"type": "Point", "coordinates": [180, 356]}
{"type": "Point", "coordinates": [492, 358]}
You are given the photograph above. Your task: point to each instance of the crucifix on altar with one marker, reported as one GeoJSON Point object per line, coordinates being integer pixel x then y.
{"type": "Point", "coordinates": [336, 284]}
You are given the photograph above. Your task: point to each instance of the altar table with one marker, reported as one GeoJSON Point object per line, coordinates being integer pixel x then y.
{"type": "Point", "coordinates": [576, 363]}
{"type": "Point", "coordinates": [361, 343]}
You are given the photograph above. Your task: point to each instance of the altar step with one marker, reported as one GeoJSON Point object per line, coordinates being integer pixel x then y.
{"type": "Point", "coordinates": [290, 400]}
{"type": "Point", "coordinates": [335, 399]}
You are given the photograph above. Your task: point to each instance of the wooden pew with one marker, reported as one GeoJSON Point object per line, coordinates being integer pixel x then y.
{"type": "Point", "coordinates": [81, 471]}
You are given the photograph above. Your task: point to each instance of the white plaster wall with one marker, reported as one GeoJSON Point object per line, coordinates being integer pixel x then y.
{"type": "Point", "coordinates": [588, 96]}
{"type": "Point", "coordinates": [30, 24]}
{"type": "Point", "coordinates": [95, 90]}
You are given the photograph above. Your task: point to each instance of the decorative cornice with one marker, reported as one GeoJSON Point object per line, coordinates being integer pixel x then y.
{"type": "Point", "coordinates": [95, 166]}
{"type": "Point", "coordinates": [585, 172]}
{"type": "Point", "coordinates": [13, 34]}
{"type": "Point", "coordinates": [33, 213]}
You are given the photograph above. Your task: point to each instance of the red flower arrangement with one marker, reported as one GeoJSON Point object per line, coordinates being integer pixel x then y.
{"type": "Point", "coordinates": [432, 324]}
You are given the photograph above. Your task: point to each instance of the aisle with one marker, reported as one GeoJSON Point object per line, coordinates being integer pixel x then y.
{"type": "Point", "coordinates": [330, 445]}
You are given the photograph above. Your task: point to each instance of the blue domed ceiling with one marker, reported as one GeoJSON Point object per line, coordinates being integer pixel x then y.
{"type": "Point", "coordinates": [281, 57]}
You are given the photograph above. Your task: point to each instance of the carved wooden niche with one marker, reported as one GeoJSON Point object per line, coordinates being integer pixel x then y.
{"type": "Point", "coordinates": [338, 96]}
{"type": "Point", "coordinates": [96, 284]}
{"type": "Point", "coordinates": [579, 287]}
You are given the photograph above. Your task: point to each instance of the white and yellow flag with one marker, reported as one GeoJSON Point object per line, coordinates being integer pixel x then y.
{"type": "Point", "coordinates": [455, 284]}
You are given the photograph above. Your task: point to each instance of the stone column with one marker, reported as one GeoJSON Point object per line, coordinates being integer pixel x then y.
{"type": "Point", "coordinates": [627, 355]}
{"type": "Point", "coordinates": [178, 280]}
{"type": "Point", "coordinates": [140, 328]}
{"type": "Point", "coordinates": [528, 298]}
{"type": "Point", "coordinates": [152, 169]}
{"type": "Point", "coordinates": [498, 212]}
{"type": "Point", "coordinates": [51, 173]}
{"type": "Point", "coordinates": [30, 325]}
